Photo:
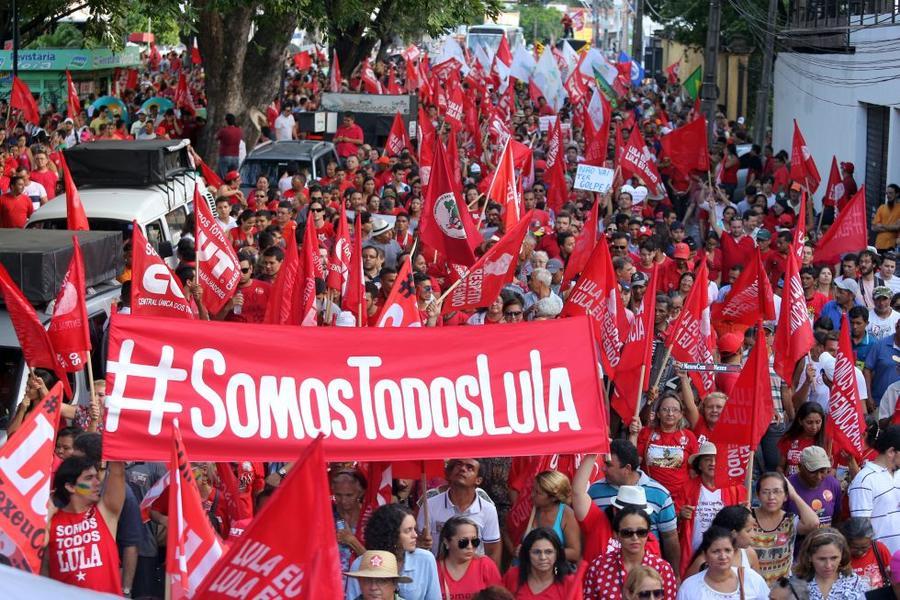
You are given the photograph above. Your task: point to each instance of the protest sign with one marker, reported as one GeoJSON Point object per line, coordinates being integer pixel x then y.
{"type": "Point", "coordinates": [593, 179]}
{"type": "Point", "coordinates": [389, 394]}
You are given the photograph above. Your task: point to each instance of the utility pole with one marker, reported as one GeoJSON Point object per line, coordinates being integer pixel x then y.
{"type": "Point", "coordinates": [708, 93]}
{"type": "Point", "coordinates": [15, 40]}
{"type": "Point", "coordinates": [637, 39]}
{"type": "Point", "coordinates": [761, 117]}
{"type": "Point", "coordinates": [595, 19]}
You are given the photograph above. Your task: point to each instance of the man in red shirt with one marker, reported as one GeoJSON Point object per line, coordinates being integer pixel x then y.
{"type": "Point", "coordinates": [15, 206]}
{"type": "Point", "coordinates": [229, 138]}
{"type": "Point", "coordinates": [43, 175]}
{"type": "Point", "coordinates": [775, 261]}
{"type": "Point", "coordinates": [737, 246]}
{"type": "Point", "coordinates": [170, 127]}
{"type": "Point", "coordinates": [348, 137]}
{"type": "Point", "coordinates": [248, 305]}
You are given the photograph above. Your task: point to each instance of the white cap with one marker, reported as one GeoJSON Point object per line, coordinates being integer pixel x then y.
{"type": "Point", "coordinates": [345, 319]}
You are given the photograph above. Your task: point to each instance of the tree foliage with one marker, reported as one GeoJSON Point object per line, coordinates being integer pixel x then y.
{"type": "Point", "coordinates": [540, 23]}
{"type": "Point", "coordinates": [687, 21]}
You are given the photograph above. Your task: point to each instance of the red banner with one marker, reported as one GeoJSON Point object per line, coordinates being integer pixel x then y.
{"type": "Point", "coordinates": [155, 290]}
{"type": "Point", "coordinates": [504, 391]}
{"type": "Point", "coordinates": [847, 234]}
{"type": "Point", "coordinates": [847, 425]}
{"type": "Point", "coordinates": [68, 329]}
{"type": "Point", "coordinates": [218, 268]}
{"type": "Point", "coordinates": [25, 462]}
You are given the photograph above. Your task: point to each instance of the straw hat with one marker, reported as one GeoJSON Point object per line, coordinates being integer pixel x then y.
{"type": "Point", "coordinates": [378, 564]}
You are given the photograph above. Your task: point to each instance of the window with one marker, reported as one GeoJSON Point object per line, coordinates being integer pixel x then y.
{"type": "Point", "coordinates": [175, 220]}
{"type": "Point", "coordinates": [154, 233]}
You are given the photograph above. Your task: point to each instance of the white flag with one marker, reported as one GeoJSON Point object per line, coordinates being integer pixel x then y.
{"type": "Point", "coordinates": [548, 79]}
{"type": "Point", "coordinates": [522, 65]}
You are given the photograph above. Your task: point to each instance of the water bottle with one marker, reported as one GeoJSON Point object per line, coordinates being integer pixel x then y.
{"type": "Point", "coordinates": [237, 307]}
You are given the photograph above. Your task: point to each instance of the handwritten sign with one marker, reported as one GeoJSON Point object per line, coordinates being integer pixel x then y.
{"type": "Point", "coordinates": [593, 179]}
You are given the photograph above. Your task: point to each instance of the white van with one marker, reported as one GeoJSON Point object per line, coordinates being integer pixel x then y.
{"type": "Point", "coordinates": [151, 182]}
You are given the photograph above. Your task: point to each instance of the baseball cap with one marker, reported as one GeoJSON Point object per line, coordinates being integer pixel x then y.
{"type": "Point", "coordinates": [68, 120]}
{"type": "Point", "coordinates": [682, 252]}
{"type": "Point", "coordinates": [730, 343]}
{"type": "Point", "coordinates": [475, 168]}
{"type": "Point", "coordinates": [644, 231]}
{"type": "Point", "coordinates": [231, 175]}
{"type": "Point", "coordinates": [814, 458]}
{"type": "Point", "coordinates": [827, 363]}
{"type": "Point", "coordinates": [882, 291]}
{"type": "Point", "coordinates": [769, 325]}
{"type": "Point", "coordinates": [796, 187]}
{"type": "Point", "coordinates": [383, 160]}
{"type": "Point", "coordinates": [848, 285]}
{"type": "Point", "coordinates": [554, 265]}
{"type": "Point", "coordinates": [639, 279]}
{"type": "Point", "coordinates": [763, 234]}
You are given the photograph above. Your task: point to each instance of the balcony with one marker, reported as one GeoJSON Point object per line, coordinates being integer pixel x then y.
{"type": "Point", "coordinates": [825, 25]}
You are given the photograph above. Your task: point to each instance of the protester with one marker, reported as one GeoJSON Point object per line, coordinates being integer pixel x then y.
{"type": "Point", "coordinates": [542, 571]}
{"type": "Point", "coordinates": [461, 572]}
{"type": "Point", "coordinates": [874, 492]}
{"type": "Point", "coordinates": [738, 519]}
{"type": "Point", "coordinates": [377, 576]}
{"type": "Point", "coordinates": [720, 579]}
{"type": "Point", "coordinates": [824, 565]}
{"type": "Point", "coordinates": [868, 558]}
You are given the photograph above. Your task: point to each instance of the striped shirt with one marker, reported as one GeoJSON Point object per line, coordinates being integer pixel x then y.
{"type": "Point", "coordinates": [658, 497]}
{"type": "Point", "coordinates": [875, 493]}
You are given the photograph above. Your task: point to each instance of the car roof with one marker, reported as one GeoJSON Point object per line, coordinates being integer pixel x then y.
{"type": "Point", "coordinates": [290, 150]}
{"type": "Point", "coordinates": [125, 204]}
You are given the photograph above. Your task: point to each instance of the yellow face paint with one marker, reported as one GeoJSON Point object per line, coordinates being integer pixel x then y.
{"type": "Point", "coordinates": [84, 489]}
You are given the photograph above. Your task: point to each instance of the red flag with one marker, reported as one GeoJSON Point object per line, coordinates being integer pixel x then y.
{"type": "Point", "coordinates": [800, 229]}
{"type": "Point", "coordinates": [76, 219]}
{"type": "Point", "coordinates": [210, 176]}
{"type": "Point", "coordinates": [379, 491]}
{"type": "Point", "coordinates": [341, 256]}
{"type": "Point", "coordinates": [354, 299]}
{"type": "Point", "coordinates": [555, 176]}
{"type": "Point", "coordinates": [689, 333]}
{"type": "Point", "coordinates": [501, 65]}
{"type": "Point", "coordinates": [637, 352]}
{"type": "Point", "coordinates": [584, 246]}
{"type": "Point", "coordinates": [155, 290]}
{"type": "Point", "coordinates": [834, 191]}
{"type": "Point", "coordinates": [454, 114]}
{"type": "Point", "coordinates": [279, 309]}
{"type": "Point", "coordinates": [473, 127]}
{"type": "Point", "coordinates": [746, 417]}
{"type": "Point", "coordinates": [182, 97]}
{"type": "Point", "coordinates": [749, 299]}
{"type": "Point", "coordinates": [794, 334]}
{"type": "Point", "coordinates": [370, 81]}
{"type": "Point", "coordinates": [673, 71]}
{"type": "Point", "coordinates": [412, 77]}
{"type": "Point", "coordinates": [686, 147]}
{"type": "Point", "coordinates": [596, 141]}
{"type": "Point", "coordinates": [847, 234]}
{"type": "Point", "coordinates": [193, 547]}
{"type": "Point", "coordinates": [638, 161]}
{"type": "Point", "coordinates": [73, 104]}
{"type": "Point", "coordinates": [152, 495]}
{"type": "Point", "coordinates": [195, 54]}
{"type": "Point", "coordinates": [426, 137]}
{"type": "Point", "coordinates": [803, 167]}
{"type": "Point", "coordinates": [266, 563]}
{"type": "Point", "coordinates": [302, 61]}
{"type": "Point", "coordinates": [68, 329]}
{"type": "Point", "coordinates": [401, 309]}
{"type": "Point", "coordinates": [597, 295]}
{"type": "Point", "coordinates": [446, 224]}
{"type": "Point", "coordinates": [20, 98]}
{"type": "Point", "coordinates": [312, 269]}
{"type": "Point", "coordinates": [847, 424]}
{"type": "Point", "coordinates": [218, 267]}
{"type": "Point", "coordinates": [231, 495]}
{"type": "Point", "coordinates": [398, 139]}
{"type": "Point", "coordinates": [392, 87]}
{"type": "Point", "coordinates": [503, 189]}
{"type": "Point", "coordinates": [33, 338]}
{"type": "Point", "coordinates": [26, 461]}
{"type": "Point", "coordinates": [492, 271]}
{"type": "Point", "coordinates": [131, 82]}
{"type": "Point", "coordinates": [334, 74]}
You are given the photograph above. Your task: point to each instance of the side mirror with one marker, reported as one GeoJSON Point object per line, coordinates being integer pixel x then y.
{"type": "Point", "coordinates": [165, 249]}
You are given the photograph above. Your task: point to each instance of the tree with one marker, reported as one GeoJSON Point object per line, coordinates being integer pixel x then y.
{"type": "Point", "coordinates": [540, 23]}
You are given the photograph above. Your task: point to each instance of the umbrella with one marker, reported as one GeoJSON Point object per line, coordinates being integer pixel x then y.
{"type": "Point", "coordinates": [116, 106]}
{"type": "Point", "coordinates": [163, 104]}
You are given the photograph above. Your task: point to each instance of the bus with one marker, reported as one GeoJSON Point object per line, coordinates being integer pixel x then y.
{"type": "Point", "coordinates": [488, 37]}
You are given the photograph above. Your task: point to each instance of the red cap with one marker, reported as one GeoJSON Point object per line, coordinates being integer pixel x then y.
{"type": "Point", "coordinates": [231, 175]}
{"type": "Point", "coordinates": [682, 252]}
{"type": "Point", "coordinates": [730, 343]}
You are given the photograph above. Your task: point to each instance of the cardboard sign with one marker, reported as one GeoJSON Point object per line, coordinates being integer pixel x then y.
{"type": "Point", "coordinates": [593, 179]}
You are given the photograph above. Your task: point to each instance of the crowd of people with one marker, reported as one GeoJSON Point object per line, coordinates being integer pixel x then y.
{"type": "Point", "coordinates": [646, 521]}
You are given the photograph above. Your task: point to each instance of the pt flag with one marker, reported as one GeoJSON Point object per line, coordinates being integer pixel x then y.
{"type": "Point", "coordinates": [504, 391]}
{"type": "Point", "coordinates": [155, 289]}
{"type": "Point", "coordinates": [218, 268]}
{"type": "Point", "coordinates": [638, 161]}
{"type": "Point", "coordinates": [746, 417]}
{"type": "Point", "coordinates": [68, 329]}
{"type": "Point", "coordinates": [486, 278]}
{"type": "Point", "coordinates": [847, 234]}
{"type": "Point", "coordinates": [847, 424]}
{"type": "Point", "coordinates": [26, 460]}
{"type": "Point", "coordinates": [279, 555]}
{"type": "Point", "coordinates": [803, 167]}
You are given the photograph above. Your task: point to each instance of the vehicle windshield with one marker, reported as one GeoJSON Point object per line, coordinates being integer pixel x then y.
{"type": "Point", "coordinates": [252, 170]}
{"type": "Point", "coordinates": [95, 224]}
{"type": "Point", "coordinates": [489, 41]}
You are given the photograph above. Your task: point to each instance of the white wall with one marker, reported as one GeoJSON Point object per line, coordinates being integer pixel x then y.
{"type": "Point", "coordinates": [832, 117]}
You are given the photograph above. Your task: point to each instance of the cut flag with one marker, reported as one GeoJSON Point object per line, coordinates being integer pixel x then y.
{"type": "Point", "coordinates": [218, 268]}
{"type": "Point", "coordinates": [848, 233]}
{"type": "Point", "coordinates": [638, 161]}
{"type": "Point", "coordinates": [20, 98]}
{"type": "Point", "coordinates": [398, 138]}
{"type": "Point", "coordinates": [803, 167]}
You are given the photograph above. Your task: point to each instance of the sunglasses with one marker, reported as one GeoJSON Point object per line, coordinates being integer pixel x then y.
{"type": "Point", "coordinates": [513, 313]}
{"type": "Point", "coordinates": [638, 533]}
{"type": "Point", "coordinates": [317, 209]}
{"type": "Point", "coordinates": [247, 270]}
{"type": "Point", "coordinates": [646, 594]}
{"type": "Point", "coordinates": [463, 543]}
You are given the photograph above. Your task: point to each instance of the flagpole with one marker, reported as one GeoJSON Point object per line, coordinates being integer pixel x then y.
{"type": "Point", "coordinates": [90, 373]}
{"type": "Point", "coordinates": [637, 404]}
{"type": "Point", "coordinates": [427, 518]}
{"type": "Point", "coordinates": [453, 287]}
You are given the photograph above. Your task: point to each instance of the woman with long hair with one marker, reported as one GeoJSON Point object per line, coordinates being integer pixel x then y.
{"type": "Point", "coordinates": [392, 528]}
{"type": "Point", "coordinates": [643, 583]}
{"type": "Point", "coordinates": [739, 521]}
{"type": "Point", "coordinates": [543, 571]}
{"type": "Point", "coordinates": [720, 581]}
{"type": "Point", "coordinates": [807, 429]}
{"type": "Point", "coordinates": [551, 495]}
{"type": "Point", "coordinates": [461, 571]}
{"type": "Point", "coordinates": [824, 564]}
{"type": "Point", "coordinates": [825, 281]}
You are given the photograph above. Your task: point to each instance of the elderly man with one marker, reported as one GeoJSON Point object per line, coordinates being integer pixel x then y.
{"type": "Point", "coordinates": [382, 237]}
{"type": "Point", "coordinates": [540, 284]}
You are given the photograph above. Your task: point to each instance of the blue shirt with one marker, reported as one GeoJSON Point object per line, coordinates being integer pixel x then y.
{"type": "Point", "coordinates": [658, 497]}
{"type": "Point", "coordinates": [862, 348]}
{"type": "Point", "coordinates": [833, 311]}
{"type": "Point", "coordinates": [420, 566]}
{"type": "Point", "coordinates": [880, 361]}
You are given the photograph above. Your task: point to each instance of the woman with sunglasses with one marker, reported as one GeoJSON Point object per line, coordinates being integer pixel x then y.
{"type": "Point", "coordinates": [605, 576]}
{"type": "Point", "coordinates": [643, 583]}
{"type": "Point", "coordinates": [824, 566]}
{"type": "Point", "coordinates": [720, 581]}
{"type": "Point", "coordinates": [462, 573]}
{"type": "Point", "coordinates": [543, 571]}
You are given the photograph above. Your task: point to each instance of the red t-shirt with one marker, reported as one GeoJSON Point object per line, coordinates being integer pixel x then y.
{"type": "Point", "coordinates": [702, 431]}
{"type": "Point", "coordinates": [325, 234]}
{"type": "Point", "coordinates": [83, 552]}
{"type": "Point", "coordinates": [791, 449]}
{"type": "Point", "coordinates": [560, 590]}
{"type": "Point", "coordinates": [48, 179]}
{"type": "Point", "coordinates": [866, 566]}
{"type": "Point", "coordinates": [345, 149]}
{"type": "Point", "coordinates": [814, 305]}
{"type": "Point", "coordinates": [256, 297]}
{"type": "Point", "coordinates": [230, 140]}
{"type": "Point", "coordinates": [481, 573]}
{"type": "Point", "coordinates": [782, 180]}
{"type": "Point", "coordinates": [15, 210]}
{"type": "Point", "coordinates": [735, 252]}
{"type": "Point", "coordinates": [665, 455]}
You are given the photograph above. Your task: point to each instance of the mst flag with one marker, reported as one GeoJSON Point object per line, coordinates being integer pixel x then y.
{"type": "Point", "coordinates": [446, 224]}
{"type": "Point", "coordinates": [155, 289]}
{"type": "Point", "coordinates": [847, 234]}
{"type": "Point", "coordinates": [68, 329]}
{"type": "Point", "coordinates": [746, 417]}
{"type": "Point", "coordinates": [26, 461]}
{"type": "Point", "coordinates": [73, 104]}
{"type": "Point", "coordinates": [803, 167]}
{"type": "Point", "coordinates": [686, 147]}
{"type": "Point", "coordinates": [847, 425]}
{"type": "Point", "coordinates": [794, 334]}
{"type": "Point", "coordinates": [193, 546]}
{"type": "Point", "coordinates": [486, 278]}
{"type": "Point", "coordinates": [76, 219]}
{"type": "Point", "coordinates": [689, 333]}
{"type": "Point", "coordinates": [218, 268]}
{"type": "Point", "coordinates": [281, 555]}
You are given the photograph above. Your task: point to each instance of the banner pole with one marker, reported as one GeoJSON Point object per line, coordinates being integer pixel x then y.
{"type": "Point", "coordinates": [427, 518]}
{"type": "Point", "coordinates": [453, 287]}
{"type": "Point", "coordinates": [637, 404]}
{"type": "Point", "coordinates": [662, 366]}
{"type": "Point", "coordinates": [90, 373]}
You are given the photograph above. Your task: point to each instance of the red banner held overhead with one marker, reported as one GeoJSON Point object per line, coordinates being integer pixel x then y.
{"type": "Point", "coordinates": [503, 392]}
